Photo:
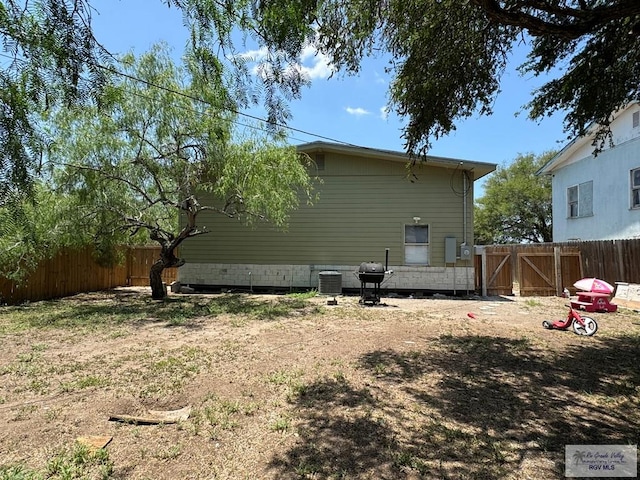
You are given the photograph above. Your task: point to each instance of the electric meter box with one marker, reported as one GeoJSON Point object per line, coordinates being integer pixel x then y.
{"type": "Point", "coordinates": [465, 252]}
{"type": "Point", "coordinates": [450, 250]}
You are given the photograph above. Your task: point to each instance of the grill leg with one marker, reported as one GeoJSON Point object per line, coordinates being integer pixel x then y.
{"type": "Point", "coordinates": [370, 295]}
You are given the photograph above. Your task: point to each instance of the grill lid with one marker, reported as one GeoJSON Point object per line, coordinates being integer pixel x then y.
{"type": "Point", "coordinates": [371, 267]}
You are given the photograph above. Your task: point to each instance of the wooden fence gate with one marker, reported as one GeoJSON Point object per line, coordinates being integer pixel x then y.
{"type": "Point", "coordinates": [495, 274]}
{"type": "Point", "coordinates": [548, 268]}
{"type": "Point", "coordinates": [531, 269]}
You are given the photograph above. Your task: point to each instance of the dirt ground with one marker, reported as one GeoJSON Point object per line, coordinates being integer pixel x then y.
{"type": "Point", "coordinates": [433, 388]}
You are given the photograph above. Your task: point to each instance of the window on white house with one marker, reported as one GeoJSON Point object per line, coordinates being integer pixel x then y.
{"type": "Point", "coordinates": [635, 188]}
{"type": "Point", "coordinates": [416, 245]}
{"type": "Point", "coordinates": [580, 200]}
{"type": "Point", "coordinates": [572, 196]}
{"type": "Point", "coordinates": [636, 119]}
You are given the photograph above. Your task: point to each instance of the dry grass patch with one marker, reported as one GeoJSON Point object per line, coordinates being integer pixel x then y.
{"type": "Point", "coordinates": [287, 387]}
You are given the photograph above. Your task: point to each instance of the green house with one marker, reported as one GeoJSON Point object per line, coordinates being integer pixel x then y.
{"type": "Point", "coordinates": [370, 202]}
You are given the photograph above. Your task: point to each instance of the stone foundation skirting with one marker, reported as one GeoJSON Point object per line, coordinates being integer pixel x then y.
{"type": "Point", "coordinates": [450, 278]}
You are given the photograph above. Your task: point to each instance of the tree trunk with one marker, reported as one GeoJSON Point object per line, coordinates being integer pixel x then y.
{"type": "Point", "coordinates": [158, 290]}
{"type": "Point", "coordinates": [167, 260]}
{"type": "Point", "coordinates": [168, 244]}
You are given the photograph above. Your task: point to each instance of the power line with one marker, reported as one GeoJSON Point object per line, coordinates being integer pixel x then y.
{"type": "Point", "coordinates": [232, 110]}
{"type": "Point", "coordinates": [197, 112]}
{"type": "Point", "coordinates": [200, 100]}
{"type": "Point", "coordinates": [176, 92]}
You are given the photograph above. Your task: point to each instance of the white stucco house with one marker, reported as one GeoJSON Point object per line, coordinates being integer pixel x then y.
{"type": "Point", "coordinates": [598, 197]}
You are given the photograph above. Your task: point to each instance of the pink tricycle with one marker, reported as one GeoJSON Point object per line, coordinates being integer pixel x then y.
{"type": "Point", "coordinates": [581, 325]}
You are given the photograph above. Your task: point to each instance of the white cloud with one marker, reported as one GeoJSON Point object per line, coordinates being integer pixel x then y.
{"type": "Point", "coordinates": [384, 112]}
{"type": "Point", "coordinates": [313, 64]}
{"type": "Point", "coordinates": [255, 55]}
{"type": "Point", "coordinates": [358, 112]}
{"type": "Point", "coordinates": [320, 65]}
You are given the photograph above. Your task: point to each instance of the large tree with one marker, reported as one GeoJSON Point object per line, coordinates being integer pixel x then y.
{"type": "Point", "coordinates": [447, 56]}
{"type": "Point", "coordinates": [164, 145]}
{"type": "Point", "coordinates": [52, 58]}
{"type": "Point", "coordinates": [516, 205]}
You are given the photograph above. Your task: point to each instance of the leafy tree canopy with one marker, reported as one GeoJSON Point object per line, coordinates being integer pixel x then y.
{"type": "Point", "coordinates": [33, 229]}
{"type": "Point", "coordinates": [164, 145]}
{"type": "Point", "coordinates": [448, 56]}
{"type": "Point", "coordinates": [516, 205]}
{"type": "Point", "coordinates": [51, 58]}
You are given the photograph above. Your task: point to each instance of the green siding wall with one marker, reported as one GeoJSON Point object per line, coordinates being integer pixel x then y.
{"type": "Point", "coordinates": [362, 208]}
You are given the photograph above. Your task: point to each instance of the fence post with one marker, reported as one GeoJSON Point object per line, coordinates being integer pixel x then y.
{"type": "Point", "coordinates": [128, 264]}
{"type": "Point", "coordinates": [619, 246]}
{"type": "Point", "coordinates": [557, 260]}
{"type": "Point", "coordinates": [484, 272]}
{"type": "Point", "coordinates": [516, 276]}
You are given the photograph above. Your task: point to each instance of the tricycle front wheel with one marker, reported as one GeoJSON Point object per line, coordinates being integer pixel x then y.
{"type": "Point", "coordinates": [589, 328]}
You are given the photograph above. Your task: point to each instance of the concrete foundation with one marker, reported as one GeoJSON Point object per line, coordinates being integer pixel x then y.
{"type": "Point", "coordinates": [449, 278]}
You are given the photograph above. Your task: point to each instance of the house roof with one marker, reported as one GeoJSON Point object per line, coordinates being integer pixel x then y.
{"type": "Point", "coordinates": [560, 158]}
{"type": "Point", "coordinates": [564, 155]}
{"type": "Point", "coordinates": [476, 169]}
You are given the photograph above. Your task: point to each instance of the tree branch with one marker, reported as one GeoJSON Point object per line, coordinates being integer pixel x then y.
{"type": "Point", "coordinates": [551, 19]}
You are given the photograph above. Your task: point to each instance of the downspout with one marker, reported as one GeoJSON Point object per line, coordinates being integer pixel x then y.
{"type": "Point", "coordinates": [465, 181]}
{"type": "Point", "coordinates": [464, 206]}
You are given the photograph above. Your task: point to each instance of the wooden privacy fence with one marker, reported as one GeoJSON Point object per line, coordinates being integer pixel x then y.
{"type": "Point", "coordinates": [548, 268]}
{"type": "Point", "coordinates": [75, 271]}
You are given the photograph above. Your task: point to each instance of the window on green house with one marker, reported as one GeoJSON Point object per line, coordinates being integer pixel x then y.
{"type": "Point", "coordinates": [416, 245]}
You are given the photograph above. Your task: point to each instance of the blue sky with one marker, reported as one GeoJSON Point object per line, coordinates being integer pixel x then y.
{"type": "Point", "coordinates": [350, 109]}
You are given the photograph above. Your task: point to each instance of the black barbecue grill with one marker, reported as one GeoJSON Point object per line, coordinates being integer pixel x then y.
{"type": "Point", "coordinates": [373, 274]}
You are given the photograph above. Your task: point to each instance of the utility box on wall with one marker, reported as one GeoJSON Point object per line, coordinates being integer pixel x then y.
{"type": "Point", "coordinates": [465, 252]}
{"type": "Point", "coordinates": [450, 250]}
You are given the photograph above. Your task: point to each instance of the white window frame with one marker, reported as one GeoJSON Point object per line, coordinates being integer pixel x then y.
{"type": "Point", "coordinates": [580, 203]}
{"type": "Point", "coordinates": [635, 188]}
{"type": "Point", "coordinates": [413, 249]}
